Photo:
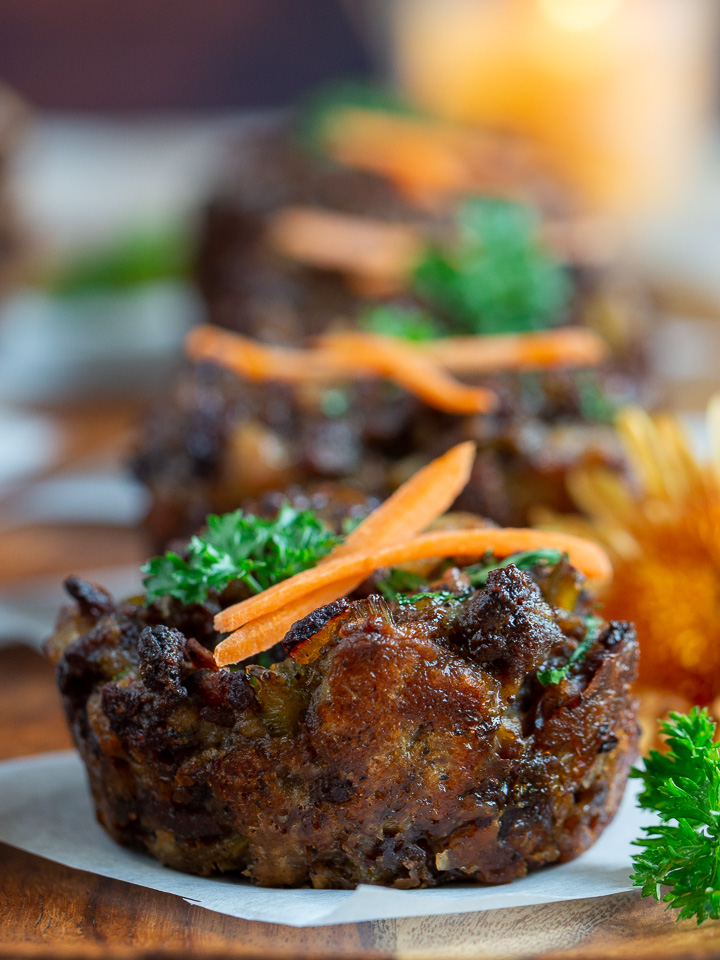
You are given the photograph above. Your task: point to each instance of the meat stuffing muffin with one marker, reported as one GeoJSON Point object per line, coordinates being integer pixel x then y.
{"type": "Point", "coordinates": [219, 441]}
{"type": "Point", "coordinates": [452, 720]}
{"type": "Point", "coordinates": [216, 440]}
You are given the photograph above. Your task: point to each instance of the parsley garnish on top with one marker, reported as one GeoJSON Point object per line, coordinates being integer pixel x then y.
{"type": "Point", "coordinates": [523, 561]}
{"type": "Point", "coordinates": [683, 788]}
{"type": "Point", "coordinates": [442, 596]}
{"type": "Point", "coordinates": [497, 278]}
{"type": "Point", "coordinates": [406, 586]}
{"type": "Point", "coordinates": [240, 546]}
{"type": "Point", "coordinates": [592, 631]}
{"type": "Point", "coordinates": [405, 323]}
{"type": "Point", "coordinates": [319, 111]}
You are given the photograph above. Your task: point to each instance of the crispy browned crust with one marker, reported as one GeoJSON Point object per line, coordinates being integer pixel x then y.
{"type": "Point", "coordinates": [417, 748]}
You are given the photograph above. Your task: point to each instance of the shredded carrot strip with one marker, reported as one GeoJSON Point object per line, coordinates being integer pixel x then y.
{"type": "Point", "coordinates": [254, 638]}
{"type": "Point", "coordinates": [259, 361]}
{"type": "Point", "coordinates": [414, 153]}
{"type": "Point", "coordinates": [264, 631]}
{"type": "Point", "coordinates": [583, 554]}
{"type": "Point", "coordinates": [419, 368]}
{"type": "Point", "coordinates": [391, 358]}
{"type": "Point", "coordinates": [568, 347]}
{"type": "Point", "coordinates": [363, 356]}
{"type": "Point", "coordinates": [263, 620]}
{"type": "Point", "coordinates": [412, 508]}
{"type": "Point", "coordinates": [339, 241]}
{"type": "Point", "coordinates": [427, 495]}
{"type": "Point", "coordinates": [336, 357]}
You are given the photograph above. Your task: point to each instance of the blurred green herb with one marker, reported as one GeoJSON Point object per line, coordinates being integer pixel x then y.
{"type": "Point", "coordinates": [335, 402]}
{"type": "Point", "coordinates": [592, 631]}
{"type": "Point", "coordinates": [497, 278]}
{"type": "Point", "coordinates": [398, 582]}
{"type": "Point", "coordinates": [264, 659]}
{"type": "Point", "coordinates": [350, 523]}
{"type": "Point", "coordinates": [317, 111]}
{"type": "Point", "coordinates": [240, 546]}
{"type": "Point", "coordinates": [595, 404]}
{"type": "Point", "coordinates": [405, 323]}
{"type": "Point", "coordinates": [683, 788]}
{"type": "Point", "coordinates": [444, 596]}
{"type": "Point", "coordinates": [132, 260]}
{"type": "Point", "coordinates": [524, 561]}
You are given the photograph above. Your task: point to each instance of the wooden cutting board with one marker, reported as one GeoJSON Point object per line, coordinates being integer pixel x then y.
{"type": "Point", "coordinates": [47, 910]}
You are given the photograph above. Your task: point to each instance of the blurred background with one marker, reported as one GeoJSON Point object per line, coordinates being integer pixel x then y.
{"type": "Point", "coordinates": [125, 133]}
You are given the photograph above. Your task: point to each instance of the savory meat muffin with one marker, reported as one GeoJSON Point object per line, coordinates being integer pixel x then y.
{"type": "Point", "coordinates": [219, 441]}
{"type": "Point", "coordinates": [459, 719]}
{"type": "Point", "coordinates": [248, 285]}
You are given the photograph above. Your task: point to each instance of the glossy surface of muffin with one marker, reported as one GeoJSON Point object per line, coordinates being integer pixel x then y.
{"type": "Point", "coordinates": [407, 742]}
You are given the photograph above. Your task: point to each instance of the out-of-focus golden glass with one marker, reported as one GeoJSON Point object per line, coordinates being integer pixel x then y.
{"type": "Point", "coordinates": [617, 92]}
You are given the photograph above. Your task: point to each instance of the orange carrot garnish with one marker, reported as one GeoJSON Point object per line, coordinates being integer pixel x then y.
{"type": "Point", "coordinates": [258, 361]}
{"type": "Point", "coordinates": [588, 557]}
{"type": "Point", "coordinates": [412, 508]}
{"type": "Point", "coordinates": [419, 155]}
{"type": "Point", "coordinates": [339, 241]}
{"type": "Point", "coordinates": [336, 357]}
{"type": "Point", "coordinates": [419, 368]}
{"type": "Point", "coordinates": [567, 347]}
{"type": "Point", "coordinates": [354, 356]}
{"type": "Point", "coordinates": [389, 357]}
{"type": "Point", "coordinates": [255, 636]}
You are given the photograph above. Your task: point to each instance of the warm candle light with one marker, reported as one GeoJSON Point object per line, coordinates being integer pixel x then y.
{"type": "Point", "coordinates": [615, 91]}
{"type": "Point", "coordinates": [579, 15]}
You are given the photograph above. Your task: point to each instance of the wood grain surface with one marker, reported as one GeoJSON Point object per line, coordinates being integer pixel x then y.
{"type": "Point", "coordinates": [47, 910]}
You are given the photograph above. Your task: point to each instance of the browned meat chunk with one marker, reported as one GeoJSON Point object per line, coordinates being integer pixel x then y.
{"type": "Point", "coordinates": [416, 747]}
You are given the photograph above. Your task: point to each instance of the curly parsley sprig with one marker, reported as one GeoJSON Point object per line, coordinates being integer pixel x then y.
{"type": "Point", "coordinates": [497, 278]}
{"type": "Point", "coordinates": [240, 546]}
{"type": "Point", "coordinates": [683, 788]}
{"type": "Point", "coordinates": [406, 323]}
{"type": "Point", "coordinates": [593, 625]}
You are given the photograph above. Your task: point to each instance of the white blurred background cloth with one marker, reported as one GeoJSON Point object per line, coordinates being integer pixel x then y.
{"type": "Point", "coordinates": [81, 183]}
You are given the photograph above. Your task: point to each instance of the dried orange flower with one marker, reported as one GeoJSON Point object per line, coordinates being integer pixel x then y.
{"type": "Point", "coordinates": [662, 529]}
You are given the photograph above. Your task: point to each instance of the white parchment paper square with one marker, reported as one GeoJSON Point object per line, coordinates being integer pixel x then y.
{"type": "Point", "coordinates": [45, 808]}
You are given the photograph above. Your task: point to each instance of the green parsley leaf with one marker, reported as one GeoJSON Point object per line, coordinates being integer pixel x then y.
{"type": "Point", "coordinates": [335, 402]}
{"type": "Point", "coordinates": [592, 630]}
{"type": "Point", "coordinates": [683, 788]}
{"type": "Point", "coordinates": [405, 323]}
{"type": "Point", "coordinates": [240, 546]}
{"type": "Point", "coordinates": [444, 596]}
{"type": "Point", "coordinates": [400, 582]}
{"type": "Point", "coordinates": [595, 404]}
{"type": "Point", "coordinates": [497, 278]}
{"type": "Point", "coordinates": [318, 111]}
{"type": "Point", "coordinates": [137, 258]}
{"type": "Point", "coordinates": [524, 561]}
